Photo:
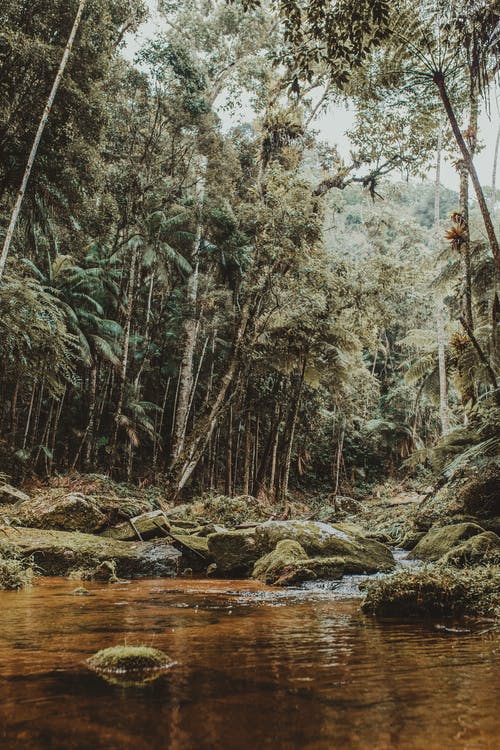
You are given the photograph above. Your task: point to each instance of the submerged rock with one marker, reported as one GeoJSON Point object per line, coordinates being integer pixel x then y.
{"type": "Point", "coordinates": [437, 542]}
{"type": "Point", "coordinates": [234, 552]}
{"type": "Point", "coordinates": [289, 564]}
{"type": "Point", "coordinates": [360, 554]}
{"type": "Point", "coordinates": [82, 591]}
{"type": "Point", "coordinates": [67, 512]}
{"type": "Point", "coordinates": [481, 549]}
{"type": "Point", "coordinates": [59, 552]}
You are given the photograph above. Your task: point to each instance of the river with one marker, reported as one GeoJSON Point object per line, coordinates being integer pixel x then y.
{"type": "Point", "coordinates": [253, 668]}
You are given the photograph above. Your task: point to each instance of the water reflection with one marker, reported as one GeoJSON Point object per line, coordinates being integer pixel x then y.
{"type": "Point", "coordinates": [254, 668]}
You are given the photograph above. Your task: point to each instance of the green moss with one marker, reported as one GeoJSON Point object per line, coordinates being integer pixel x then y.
{"type": "Point", "coordinates": [234, 552]}
{"type": "Point", "coordinates": [361, 555]}
{"type": "Point", "coordinates": [435, 592]}
{"type": "Point", "coordinates": [482, 549]}
{"type": "Point", "coordinates": [16, 571]}
{"type": "Point", "coordinates": [124, 659]}
{"type": "Point", "coordinates": [438, 541]}
{"type": "Point", "coordinates": [289, 564]}
{"type": "Point", "coordinates": [273, 565]}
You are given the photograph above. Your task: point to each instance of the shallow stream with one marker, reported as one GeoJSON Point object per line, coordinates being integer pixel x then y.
{"type": "Point", "coordinates": [254, 668]}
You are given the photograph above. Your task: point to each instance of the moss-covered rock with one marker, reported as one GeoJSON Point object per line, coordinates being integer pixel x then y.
{"type": "Point", "coordinates": [313, 569]}
{"type": "Point", "coordinates": [194, 551]}
{"type": "Point", "coordinates": [438, 541]}
{"type": "Point", "coordinates": [436, 592]}
{"type": "Point", "coordinates": [66, 512]}
{"type": "Point", "coordinates": [234, 552]}
{"type": "Point", "coordinates": [273, 565]}
{"type": "Point", "coordinates": [59, 552]}
{"type": "Point", "coordinates": [481, 549]}
{"type": "Point", "coordinates": [130, 665]}
{"type": "Point", "coordinates": [361, 555]}
{"type": "Point", "coordinates": [289, 564]}
{"type": "Point", "coordinates": [16, 570]}
{"type": "Point", "coordinates": [219, 509]}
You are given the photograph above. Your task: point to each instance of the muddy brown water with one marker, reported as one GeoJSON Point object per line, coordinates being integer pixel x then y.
{"type": "Point", "coordinates": [254, 668]}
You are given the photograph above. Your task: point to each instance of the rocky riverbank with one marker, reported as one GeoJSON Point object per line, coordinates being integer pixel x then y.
{"type": "Point", "coordinates": [87, 527]}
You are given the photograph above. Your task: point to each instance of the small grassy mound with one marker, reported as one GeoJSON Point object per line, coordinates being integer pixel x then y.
{"type": "Point", "coordinates": [435, 592]}
{"type": "Point", "coordinates": [125, 659]}
{"type": "Point", "coordinates": [16, 571]}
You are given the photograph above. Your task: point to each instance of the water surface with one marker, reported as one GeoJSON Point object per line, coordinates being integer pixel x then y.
{"type": "Point", "coordinates": [254, 668]}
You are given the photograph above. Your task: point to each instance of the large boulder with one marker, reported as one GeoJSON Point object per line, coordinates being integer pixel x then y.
{"type": "Point", "coordinates": [480, 549]}
{"type": "Point", "coordinates": [289, 564]}
{"type": "Point", "coordinates": [66, 512]}
{"type": "Point", "coordinates": [57, 553]}
{"type": "Point", "coordinates": [234, 552]}
{"type": "Point", "coordinates": [438, 541]}
{"type": "Point", "coordinates": [361, 555]}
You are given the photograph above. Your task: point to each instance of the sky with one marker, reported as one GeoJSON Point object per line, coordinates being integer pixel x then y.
{"type": "Point", "coordinates": [333, 125]}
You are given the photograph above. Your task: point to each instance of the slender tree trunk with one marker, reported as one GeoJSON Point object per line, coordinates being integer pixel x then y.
{"type": "Point", "coordinates": [228, 484]}
{"type": "Point", "coordinates": [30, 411]}
{"type": "Point", "coordinates": [494, 176]}
{"type": "Point", "coordinates": [125, 353]}
{"type": "Point", "coordinates": [90, 431]}
{"type": "Point", "coordinates": [203, 432]}
{"type": "Point", "coordinates": [248, 453]}
{"type": "Point", "coordinates": [490, 231]}
{"type": "Point", "coordinates": [41, 127]}
{"type": "Point", "coordinates": [14, 415]}
{"type": "Point", "coordinates": [291, 434]}
{"type": "Point", "coordinates": [338, 462]}
{"type": "Point", "coordinates": [190, 333]}
{"type": "Point", "coordinates": [443, 382]}
{"type": "Point", "coordinates": [465, 257]}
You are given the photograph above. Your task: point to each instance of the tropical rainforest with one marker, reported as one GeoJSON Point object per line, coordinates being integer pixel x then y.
{"type": "Point", "coordinates": [243, 308]}
{"type": "Point", "coordinates": [216, 314]}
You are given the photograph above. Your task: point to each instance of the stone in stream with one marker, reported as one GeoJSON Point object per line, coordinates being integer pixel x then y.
{"type": "Point", "coordinates": [57, 553]}
{"type": "Point", "coordinates": [360, 554]}
{"type": "Point", "coordinates": [289, 564]}
{"type": "Point", "coordinates": [234, 552]}
{"type": "Point", "coordinates": [130, 666]}
{"type": "Point", "coordinates": [438, 541]}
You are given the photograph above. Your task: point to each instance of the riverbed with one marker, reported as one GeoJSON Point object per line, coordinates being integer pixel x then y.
{"type": "Point", "coordinates": [253, 667]}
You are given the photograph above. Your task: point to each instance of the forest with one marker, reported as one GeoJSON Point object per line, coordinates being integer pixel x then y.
{"type": "Point", "coordinates": [249, 262]}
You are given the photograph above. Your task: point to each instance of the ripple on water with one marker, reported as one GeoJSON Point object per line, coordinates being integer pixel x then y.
{"type": "Point", "coordinates": [254, 667]}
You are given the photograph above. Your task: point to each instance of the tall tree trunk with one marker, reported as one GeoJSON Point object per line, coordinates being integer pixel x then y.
{"type": "Point", "coordinates": [248, 453]}
{"type": "Point", "coordinates": [228, 483]}
{"type": "Point", "coordinates": [494, 175]}
{"type": "Point", "coordinates": [439, 80]}
{"type": "Point", "coordinates": [38, 137]}
{"type": "Point", "coordinates": [203, 431]}
{"type": "Point", "coordinates": [443, 382]}
{"type": "Point", "coordinates": [290, 436]}
{"type": "Point", "coordinates": [190, 332]}
{"type": "Point", "coordinates": [125, 353]}
{"type": "Point", "coordinates": [465, 258]}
